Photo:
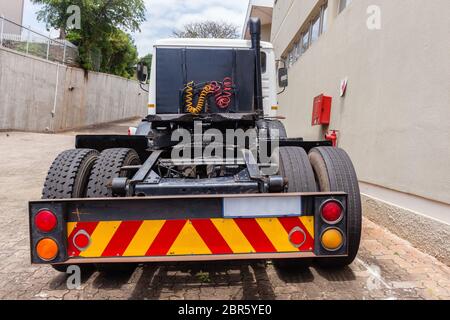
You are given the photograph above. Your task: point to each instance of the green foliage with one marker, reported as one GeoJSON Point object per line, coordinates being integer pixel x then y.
{"type": "Point", "coordinates": [203, 277]}
{"type": "Point", "coordinates": [35, 49]}
{"type": "Point", "coordinates": [103, 45]}
{"type": "Point", "coordinates": [116, 55]}
{"type": "Point", "coordinates": [122, 55]}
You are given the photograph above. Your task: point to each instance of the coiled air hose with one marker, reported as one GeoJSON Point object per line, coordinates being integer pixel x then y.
{"type": "Point", "coordinates": [224, 100]}
{"type": "Point", "coordinates": [189, 98]}
{"type": "Point", "coordinates": [223, 93]}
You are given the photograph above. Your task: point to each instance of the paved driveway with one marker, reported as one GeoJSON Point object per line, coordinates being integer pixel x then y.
{"type": "Point", "coordinates": [387, 267]}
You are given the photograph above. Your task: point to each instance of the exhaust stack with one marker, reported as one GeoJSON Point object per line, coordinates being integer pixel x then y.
{"type": "Point", "coordinates": [255, 32]}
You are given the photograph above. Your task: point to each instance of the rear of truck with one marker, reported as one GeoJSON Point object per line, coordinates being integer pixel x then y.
{"type": "Point", "coordinates": [201, 228]}
{"type": "Point", "coordinates": [127, 200]}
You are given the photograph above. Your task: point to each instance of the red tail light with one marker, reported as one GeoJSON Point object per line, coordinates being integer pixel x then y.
{"type": "Point", "coordinates": [45, 221]}
{"type": "Point", "coordinates": [332, 212]}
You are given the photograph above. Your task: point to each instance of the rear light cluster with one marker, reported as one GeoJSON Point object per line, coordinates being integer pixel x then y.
{"type": "Point", "coordinates": [46, 221]}
{"type": "Point", "coordinates": [332, 213]}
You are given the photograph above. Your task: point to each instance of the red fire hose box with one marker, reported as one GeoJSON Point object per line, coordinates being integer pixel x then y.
{"type": "Point", "coordinates": [322, 110]}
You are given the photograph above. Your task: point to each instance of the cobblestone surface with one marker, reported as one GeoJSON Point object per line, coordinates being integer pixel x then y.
{"type": "Point", "coordinates": [387, 266]}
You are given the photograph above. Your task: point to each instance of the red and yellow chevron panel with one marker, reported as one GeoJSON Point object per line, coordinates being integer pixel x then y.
{"type": "Point", "coordinates": [193, 237]}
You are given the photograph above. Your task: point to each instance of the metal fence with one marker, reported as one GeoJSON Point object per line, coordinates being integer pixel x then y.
{"type": "Point", "coordinates": [17, 37]}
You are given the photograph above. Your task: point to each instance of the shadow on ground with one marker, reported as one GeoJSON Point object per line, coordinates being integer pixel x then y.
{"type": "Point", "coordinates": [245, 280]}
{"type": "Point", "coordinates": [251, 277]}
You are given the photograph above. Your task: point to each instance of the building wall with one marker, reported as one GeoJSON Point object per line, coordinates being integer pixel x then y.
{"type": "Point", "coordinates": [12, 10]}
{"type": "Point", "coordinates": [263, 10]}
{"type": "Point", "coordinates": [31, 89]}
{"type": "Point", "coordinates": [395, 118]}
{"type": "Point", "coordinates": [266, 32]}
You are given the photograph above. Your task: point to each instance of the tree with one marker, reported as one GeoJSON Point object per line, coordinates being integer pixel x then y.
{"type": "Point", "coordinates": [102, 38]}
{"type": "Point", "coordinates": [119, 55]}
{"type": "Point", "coordinates": [208, 29]}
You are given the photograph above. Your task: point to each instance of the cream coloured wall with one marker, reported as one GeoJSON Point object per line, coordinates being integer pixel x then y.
{"type": "Point", "coordinates": [265, 32]}
{"type": "Point", "coordinates": [395, 118]}
{"type": "Point", "coordinates": [12, 10]}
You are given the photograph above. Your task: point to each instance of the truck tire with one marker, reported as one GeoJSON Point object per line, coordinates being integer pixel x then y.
{"type": "Point", "coordinates": [69, 174]}
{"type": "Point", "coordinates": [108, 167]}
{"type": "Point", "coordinates": [68, 178]}
{"type": "Point", "coordinates": [335, 173]}
{"type": "Point", "coordinates": [296, 168]}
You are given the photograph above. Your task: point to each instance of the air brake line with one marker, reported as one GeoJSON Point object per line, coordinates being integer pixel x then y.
{"type": "Point", "coordinates": [222, 91]}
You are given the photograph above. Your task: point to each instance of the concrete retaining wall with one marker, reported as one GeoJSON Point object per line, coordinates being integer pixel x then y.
{"type": "Point", "coordinates": [41, 96]}
{"type": "Point", "coordinates": [429, 235]}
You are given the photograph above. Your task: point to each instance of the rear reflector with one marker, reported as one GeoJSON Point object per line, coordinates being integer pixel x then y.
{"type": "Point", "coordinates": [82, 240]}
{"type": "Point", "coordinates": [47, 249]}
{"type": "Point", "coordinates": [297, 237]}
{"type": "Point", "coordinates": [45, 221]}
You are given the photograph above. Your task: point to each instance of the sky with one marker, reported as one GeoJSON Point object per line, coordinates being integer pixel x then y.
{"type": "Point", "coordinates": [163, 16]}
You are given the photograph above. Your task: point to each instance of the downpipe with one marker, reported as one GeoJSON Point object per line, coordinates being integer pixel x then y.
{"type": "Point", "coordinates": [55, 97]}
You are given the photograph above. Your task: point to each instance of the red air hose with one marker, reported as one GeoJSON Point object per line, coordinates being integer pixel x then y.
{"type": "Point", "coordinates": [223, 93]}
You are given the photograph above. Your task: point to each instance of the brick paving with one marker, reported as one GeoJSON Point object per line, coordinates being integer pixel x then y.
{"type": "Point", "coordinates": [386, 268]}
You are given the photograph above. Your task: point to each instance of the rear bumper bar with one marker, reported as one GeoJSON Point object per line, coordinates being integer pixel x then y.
{"type": "Point", "coordinates": [191, 228]}
{"type": "Point", "coordinates": [194, 258]}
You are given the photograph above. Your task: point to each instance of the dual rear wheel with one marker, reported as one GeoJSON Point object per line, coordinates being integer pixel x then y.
{"type": "Point", "coordinates": [325, 169]}
{"type": "Point", "coordinates": [85, 173]}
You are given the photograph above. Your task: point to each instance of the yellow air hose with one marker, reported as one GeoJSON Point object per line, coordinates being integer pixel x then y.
{"type": "Point", "coordinates": [189, 98]}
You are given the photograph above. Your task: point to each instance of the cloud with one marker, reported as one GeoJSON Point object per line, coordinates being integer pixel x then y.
{"type": "Point", "coordinates": [163, 16]}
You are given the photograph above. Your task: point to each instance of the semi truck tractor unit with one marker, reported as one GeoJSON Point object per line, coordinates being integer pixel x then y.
{"type": "Point", "coordinates": [119, 200]}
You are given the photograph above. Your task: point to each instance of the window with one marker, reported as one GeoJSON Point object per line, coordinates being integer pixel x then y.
{"type": "Point", "coordinates": [315, 29]}
{"type": "Point", "coordinates": [343, 4]}
{"type": "Point", "coordinates": [305, 41]}
{"type": "Point", "coordinates": [298, 51]}
{"type": "Point", "coordinates": [311, 32]}
{"type": "Point", "coordinates": [291, 59]}
{"type": "Point", "coordinates": [324, 19]}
